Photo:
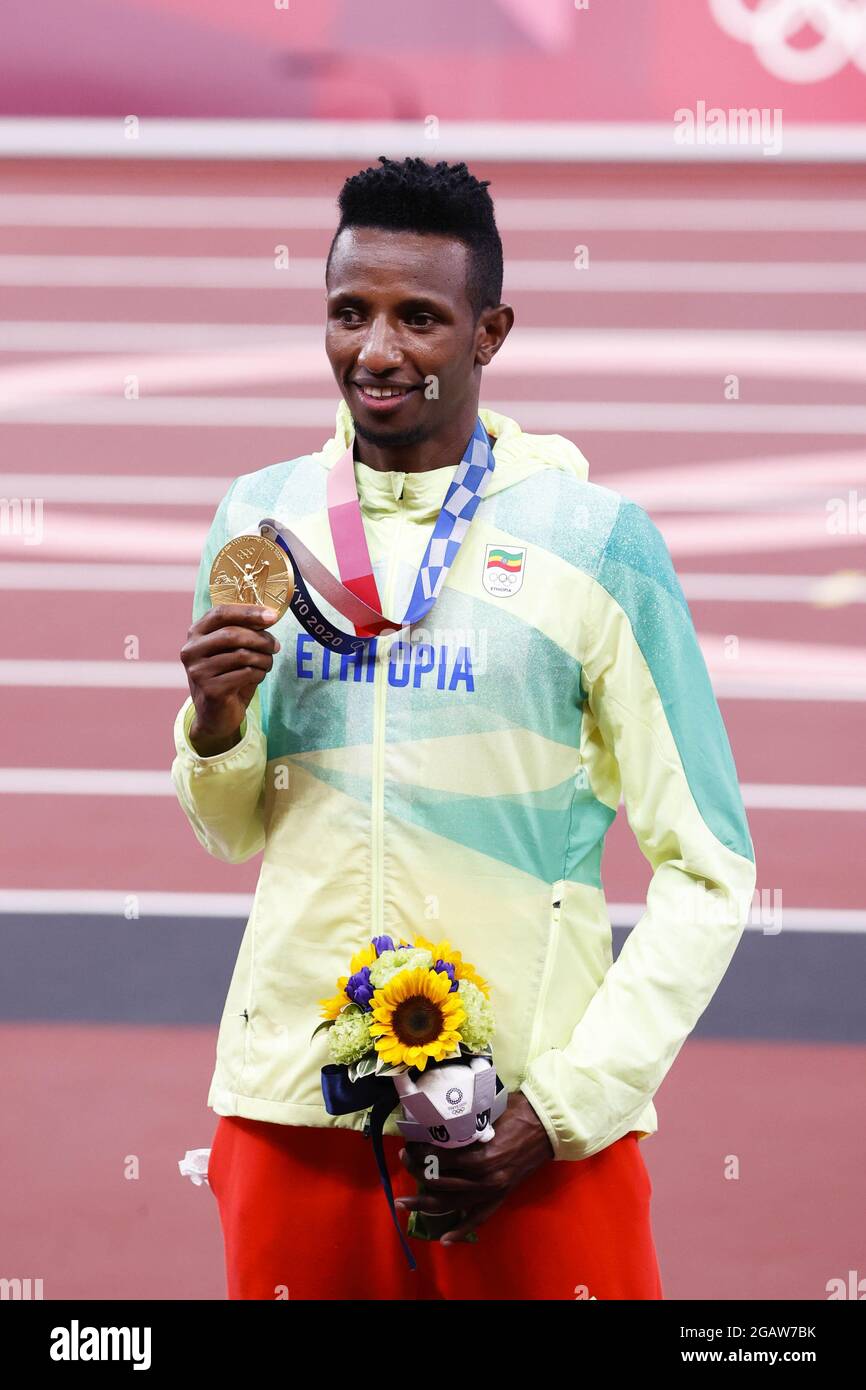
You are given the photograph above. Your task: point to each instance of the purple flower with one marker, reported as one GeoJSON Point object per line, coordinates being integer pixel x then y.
{"type": "Point", "coordinates": [359, 989]}
{"type": "Point", "coordinates": [382, 943]}
{"type": "Point", "coordinates": [445, 967]}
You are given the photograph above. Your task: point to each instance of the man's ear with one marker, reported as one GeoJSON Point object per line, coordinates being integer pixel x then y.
{"type": "Point", "coordinates": [494, 327]}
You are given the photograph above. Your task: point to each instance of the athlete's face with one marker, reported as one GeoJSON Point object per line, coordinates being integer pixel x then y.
{"type": "Point", "coordinates": [399, 322]}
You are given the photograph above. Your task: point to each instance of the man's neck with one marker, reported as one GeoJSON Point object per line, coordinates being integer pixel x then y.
{"type": "Point", "coordinates": [439, 451]}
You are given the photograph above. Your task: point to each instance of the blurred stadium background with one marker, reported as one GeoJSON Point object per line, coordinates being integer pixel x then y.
{"type": "Point", "coordinates": [692, 315]}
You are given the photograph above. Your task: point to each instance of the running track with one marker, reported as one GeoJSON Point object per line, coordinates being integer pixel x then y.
{"type": "Point", "coordinates": [158, 283]}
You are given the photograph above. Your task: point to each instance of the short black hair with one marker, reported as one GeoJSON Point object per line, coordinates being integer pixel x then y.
{"type": "Point", "coordinates": [414, 196]}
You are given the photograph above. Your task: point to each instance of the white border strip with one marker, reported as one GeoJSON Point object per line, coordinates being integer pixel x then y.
{"type": "Point", "coordinates": [571, 142]}
{"type": "Point", "coordinates": [60, 902]}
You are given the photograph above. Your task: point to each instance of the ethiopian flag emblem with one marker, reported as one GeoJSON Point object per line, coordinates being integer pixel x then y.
{"type": "Point", "coordinates": [503, 569]}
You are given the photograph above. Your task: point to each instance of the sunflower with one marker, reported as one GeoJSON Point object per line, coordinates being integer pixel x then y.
{"type": "Point", "coordinates": [416, 1018]}
{"type": "Point", "coordinates": [443, 950]}
{"type": "Point", "coordinates": [331, 1007]}
{"type": "Point", "coordinates": [365, 956]}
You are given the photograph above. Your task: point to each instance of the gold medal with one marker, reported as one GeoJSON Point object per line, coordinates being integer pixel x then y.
{"type": "Point", "coordinates": [252, 569]}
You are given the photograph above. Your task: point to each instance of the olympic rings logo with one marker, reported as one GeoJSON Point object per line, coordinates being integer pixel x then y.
{"type": "Point", "coordinates": [771, 24]}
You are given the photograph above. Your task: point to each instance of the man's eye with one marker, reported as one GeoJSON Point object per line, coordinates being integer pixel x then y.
{"type": "Point", "coordinates": [421, 320]}
{"type": "Point", "coordinates": [349, 317]}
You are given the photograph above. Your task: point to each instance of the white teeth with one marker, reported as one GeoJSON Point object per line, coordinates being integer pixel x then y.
{"type": "Point", "coordinates": [382, 392]}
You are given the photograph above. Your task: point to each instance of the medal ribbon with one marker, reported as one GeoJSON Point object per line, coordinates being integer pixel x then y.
{"type": "Point", "coordinates": [355, 594]}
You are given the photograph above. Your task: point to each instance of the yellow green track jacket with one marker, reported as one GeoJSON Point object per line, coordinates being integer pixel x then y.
{"type": "Point", "coordinates": [459, 779]}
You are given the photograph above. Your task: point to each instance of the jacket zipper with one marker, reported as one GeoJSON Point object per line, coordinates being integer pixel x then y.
{"type": "Point", "coordinates": [377, 810]}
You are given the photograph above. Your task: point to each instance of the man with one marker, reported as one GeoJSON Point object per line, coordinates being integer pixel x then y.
{"type": "Point", "coordinates": [456, 777]}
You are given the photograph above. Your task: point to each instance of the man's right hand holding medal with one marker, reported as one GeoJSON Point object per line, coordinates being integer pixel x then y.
{"type": "Point", "coordinates": [228, 652]}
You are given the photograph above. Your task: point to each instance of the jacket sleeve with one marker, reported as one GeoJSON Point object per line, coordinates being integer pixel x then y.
{"type": "Point", "coordinates": [222, 796]}
{"type": "Point", "coordinates": [650, 694]}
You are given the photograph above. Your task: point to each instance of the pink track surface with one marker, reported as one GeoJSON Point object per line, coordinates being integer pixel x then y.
{"type": "Point", "coordinates": [79, 1098]}
{"type": "Point", "coordinates": [85, 1104]}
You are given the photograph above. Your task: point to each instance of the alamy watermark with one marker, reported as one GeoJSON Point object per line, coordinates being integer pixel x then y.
{"type": "Point", "coordinates": [739, 125]}
{"type": "Point", "coordinates": [21, 1289]}
{"type": "Point", "coordinates": [22, 516]}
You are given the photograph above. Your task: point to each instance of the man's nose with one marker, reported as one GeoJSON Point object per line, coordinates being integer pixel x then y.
{"type": "Point", "coordinates": [381, 348]}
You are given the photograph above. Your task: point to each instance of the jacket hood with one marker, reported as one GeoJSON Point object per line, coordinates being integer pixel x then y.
{"type": "Point", "coordinates": [517, 454]}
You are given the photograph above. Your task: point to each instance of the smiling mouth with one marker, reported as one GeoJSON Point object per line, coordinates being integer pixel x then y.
{"type": "Point", "coordinates": [382, 397]}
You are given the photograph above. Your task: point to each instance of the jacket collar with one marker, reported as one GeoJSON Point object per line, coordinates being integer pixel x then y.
{"type": "Point", "coordinates": [517, 455]}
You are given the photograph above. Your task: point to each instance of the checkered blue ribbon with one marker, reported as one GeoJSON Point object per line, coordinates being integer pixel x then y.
{"type": "Point", "coordinates": [461, 503]}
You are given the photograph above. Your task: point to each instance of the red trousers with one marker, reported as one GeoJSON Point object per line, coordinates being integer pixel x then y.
{"type": "Point", "coordinates": [304, 1216]}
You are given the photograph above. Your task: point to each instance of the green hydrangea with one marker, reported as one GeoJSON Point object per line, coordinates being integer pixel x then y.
{"type": "Point", "coordinates": [390, 962]}
{"type": "Point", "coordinates": [477, 1029]}
{"type": "Point", "coordinates": [350, 1037]}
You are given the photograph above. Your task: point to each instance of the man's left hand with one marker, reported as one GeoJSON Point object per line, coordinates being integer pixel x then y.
{"type": "Point", "coordinates": [478, 1179]}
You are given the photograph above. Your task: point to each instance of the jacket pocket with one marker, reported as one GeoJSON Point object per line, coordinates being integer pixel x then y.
{"type": "Point", "coordinates": [554, 914]}
{"type": "Point", "coordinates": [284, 1060]}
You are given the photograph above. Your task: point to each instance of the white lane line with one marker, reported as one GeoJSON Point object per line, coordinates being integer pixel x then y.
{"type": "Point", "coordinates": [768, 796]}
{"type": "Point", "coordinates": [824, 591]}
{"type": "Point", "coordinates": [95, 579]}
{"type": "Point", "coordinates": [111, 374]}
{"type": "Point", "coordinates": [688, 277]}
{"type": "Point", "coordinates": [74, 781]}
{"type": "Point", "coordinates": [754, 532]}
{"type": "Point", "coordinates": [69, 781]}
{"type": "Point", "coordinates": [644, 351]}
{"type": "Point", "coordinates": [821, 591]}
{"type": "Point", "coordinates": [545, 353]}
{"type": "Point", "coordinates": [274, 412]}
{"type": "Point", "coordinates": [765, 500]}
{"type": "Point", "coordinates": [102, 902]}
{"type": "Point", "coordinates": [99, 535]}
{"type": "Point", "coordinates": [724, 485]}
{"type": "Point", "coordinates": [821, 355]}
{"type": "Point", "coordinates": [29, 530]}
{"type": "Point", "coordinates": [105, 902]}
{"type": "Point", "coordinates": [559, 277]}
{"type": "Point", "coordinates": [816, 919]}
{"type": "Point", "coordinates": [77, 335]}
{"type": "Point", "coordinates": [132, 489]}
{"type": "Point", "coordinates": [802, 690]}
{"type": "Point", "coordinates": [728, 483]}
{"type": "Point", "coordinates": [784, 666]}
{"type": "Point", "coordinates": [92, 675]}
{"type": "Point", "coordinates": [161, 272]}
{"type": "Point", "coordinates": [673, 214]}
{"type": "Point", "coordinates": [570, 142]}
{"type": "Point", "coordinates": [760, 677]}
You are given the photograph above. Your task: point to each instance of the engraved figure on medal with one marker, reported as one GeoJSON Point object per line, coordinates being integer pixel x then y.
{"type": "Point", "coordinates": [252, 569]}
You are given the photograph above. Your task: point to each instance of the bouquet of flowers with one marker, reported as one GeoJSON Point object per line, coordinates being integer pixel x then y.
{"type": "Point", "coordinates": [403, 1006]}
